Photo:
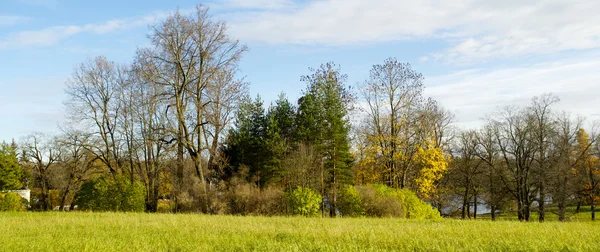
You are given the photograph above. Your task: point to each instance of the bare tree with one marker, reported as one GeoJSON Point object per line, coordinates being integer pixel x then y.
{"type": "Point", "coordinates": [76, 161]}
{"type": "Point", "coordinates": [514, 139]}
{"type": "Point", "coordinates": [188, 55]}
{"type": "Point", "coordinates": [543, 135]}
{"type": "Point", "coordinates": [43, 154]}
{"type": "Point", "coordinates": [93, 103]}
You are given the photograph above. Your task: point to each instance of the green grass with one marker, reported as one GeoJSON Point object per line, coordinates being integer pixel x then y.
{"type": "Point", "coordinates": [551, 214]}
{"type": "Point", "coordinates": [77, 231]}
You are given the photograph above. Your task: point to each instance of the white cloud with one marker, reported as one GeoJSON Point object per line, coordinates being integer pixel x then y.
{"type": "Point", "coordinates": [473, 94]}
{"type": "Point", "coordinates": [477, 29]}
{"type": "Point", "coordinates": [53, 35]}
{"type": "Point", "coordinates": [8, 20]}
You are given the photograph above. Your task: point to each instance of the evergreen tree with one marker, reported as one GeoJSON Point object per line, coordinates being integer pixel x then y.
{"type": "Point", "coordinates": [246, 142]}
{"type": "Point", "coordinates": [278, 138]}
{"type": "Point", "coordinates": [322, 121]}
{"type": "Point", "coordinates": [11, 172]}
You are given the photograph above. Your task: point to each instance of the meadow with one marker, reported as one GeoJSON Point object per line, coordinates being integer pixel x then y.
{"type": "Point", "coordinates": [83, 231]}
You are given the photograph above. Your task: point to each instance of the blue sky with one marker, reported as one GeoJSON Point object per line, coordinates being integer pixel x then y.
{"type": "Point", "coordinates": [476, 55]}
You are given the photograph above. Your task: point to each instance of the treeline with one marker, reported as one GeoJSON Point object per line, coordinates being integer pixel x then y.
{"type": "Point", "coordinates": [525, 159]}
{"type": "Point", "coordinates": [176, 130]}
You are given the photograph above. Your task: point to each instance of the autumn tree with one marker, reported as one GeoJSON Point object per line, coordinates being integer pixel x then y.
{"type": "Point", "coordinates": [589, 168]}
{"type": "Point", "coordinates": [393, 94]}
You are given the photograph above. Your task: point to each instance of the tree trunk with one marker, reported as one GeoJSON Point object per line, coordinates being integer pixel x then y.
{"type": "Point", "coordinates": [593, 207]}
{"type": "Point", "coordinates": [541, 203]}
{"type": "Point", "coordinates": [179, 175]}
{"type": "Point", "coordinates": [465, 203]}
{"type": "Point", "coordinates": [63, 199]}
{"type": "Point", "coordinates": [493, 212]}
{"type": "Point", "coordinates": [562, 206]}
{"type": "Point", "coordinates": [475, 206]}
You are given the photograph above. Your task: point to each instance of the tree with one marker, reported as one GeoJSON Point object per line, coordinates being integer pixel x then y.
{"type": "Point", "coordinates": [93, 104]}
{"type": "Point", "coordinates": [76, 163]}
{"type": "Point", "coordinates": [322, 121]}
{"type": "Point", "coordinates": [11, 172]}
{"type": "Point", "coordinates": [589, 168]}
{"type": "Point", "coordinates": [543, 135]}
{"type": "Point", "coordinates": [433, 166]}
{"type": "Point", "coordinates": [467, 168]}
{"type": "Point", "coordinates": [43, 153]}
{"type": "Point", "coordinates": [246, 142]}
{"type": "Point", "coordinates": [514, 136]}
{"type": "Point", "coordinates": [488, 151]}
{"type": "Point", "coordinates": [190, 54]}
{"type": "Point", "coordinates": [393, 94]}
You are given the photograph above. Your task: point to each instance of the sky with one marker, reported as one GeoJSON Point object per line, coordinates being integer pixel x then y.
{"type": "Point", "coordinates": [476, 55]}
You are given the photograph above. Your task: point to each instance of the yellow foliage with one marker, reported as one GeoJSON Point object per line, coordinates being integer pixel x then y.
{"type": "Point", "coordinates": [433, 166]}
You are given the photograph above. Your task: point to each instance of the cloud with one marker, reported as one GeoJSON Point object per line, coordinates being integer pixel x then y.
{"type": "Point", "coordinates": [53, 35]}
{"type": "Point", "coordinates": [477, 30]}
{"type": "Point", "coordinates": [473, 94]}
{"type": "Point", "coordinates": [8, 20]}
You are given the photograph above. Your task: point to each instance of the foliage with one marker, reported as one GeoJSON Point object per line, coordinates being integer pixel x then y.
{"type": "Point", "coordinates": [11, 172]}
{"type": "Point", "coordinates": [246, 142]}
{"type": "Point", "coordinates": [304, 201]}
{"type": "Point", "coordinates": [248, 199]}
{"type": "Point", "coordinates": [350, 202]}
{"type": "Point", "coordinates": [108, 194]}
{"type": "Point", "coordinates": [10, 201]}
{"type": "Point", "coordinates": [382, 201]}
{"type": "Point", "coordinates": [433, 167]}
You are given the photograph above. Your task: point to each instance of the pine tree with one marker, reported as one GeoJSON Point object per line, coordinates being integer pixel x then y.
{"type": "Point", "coordinates": [11, 172]}
{"type": "Point", "coordinates": [322, 121]}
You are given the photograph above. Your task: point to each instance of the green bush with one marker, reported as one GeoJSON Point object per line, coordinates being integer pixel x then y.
{"type": "Point", "coordinates": [10, 201]}
{"type": "Point", "coordinates": [108, 194]}
{"type": "Point", "coordinates": [349, 203]}
{"type": "Point", "coordinates": [304, 201]}
{"type": "Point", "coordinates": [376, 203]}
{"type": "Point", "coordinates": [382, 201]}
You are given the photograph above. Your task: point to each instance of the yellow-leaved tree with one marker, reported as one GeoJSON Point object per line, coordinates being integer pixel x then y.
{"type": "Point", "coordinates": [589, 168]}
{"type": "Point", "coordinates": [433, 165]}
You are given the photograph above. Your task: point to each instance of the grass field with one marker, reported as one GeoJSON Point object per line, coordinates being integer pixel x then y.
{"type": "Point", "coordinates": [77, 231]}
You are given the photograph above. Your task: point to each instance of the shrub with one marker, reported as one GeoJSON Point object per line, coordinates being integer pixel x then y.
{"type": "Point", "coordinates": [108, 194]}
{"type": "Point", "coordinates": [304, 201]}
{"type": "Point", "coordinates": [349, 203]}
{"type": "Point", "coordinates": [383, 201]}
{"type": "Point", "coordinates": [10, 201]}
{"type": "Point", "coordinates": [165, 206]}
{"type": "Point", "coordinates": [249, 199]}
{"type": "Point", "coordinates": [376, 203]}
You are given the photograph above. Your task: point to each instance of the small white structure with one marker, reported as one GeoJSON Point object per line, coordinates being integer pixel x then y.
{"type": "Point", "coordinates": [25, 193]}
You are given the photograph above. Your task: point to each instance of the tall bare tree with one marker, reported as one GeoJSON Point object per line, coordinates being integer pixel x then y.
{"type": "Point", "coordinates": [189, 54]}
{"type": "Point", "coordinates": [93, 103]}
